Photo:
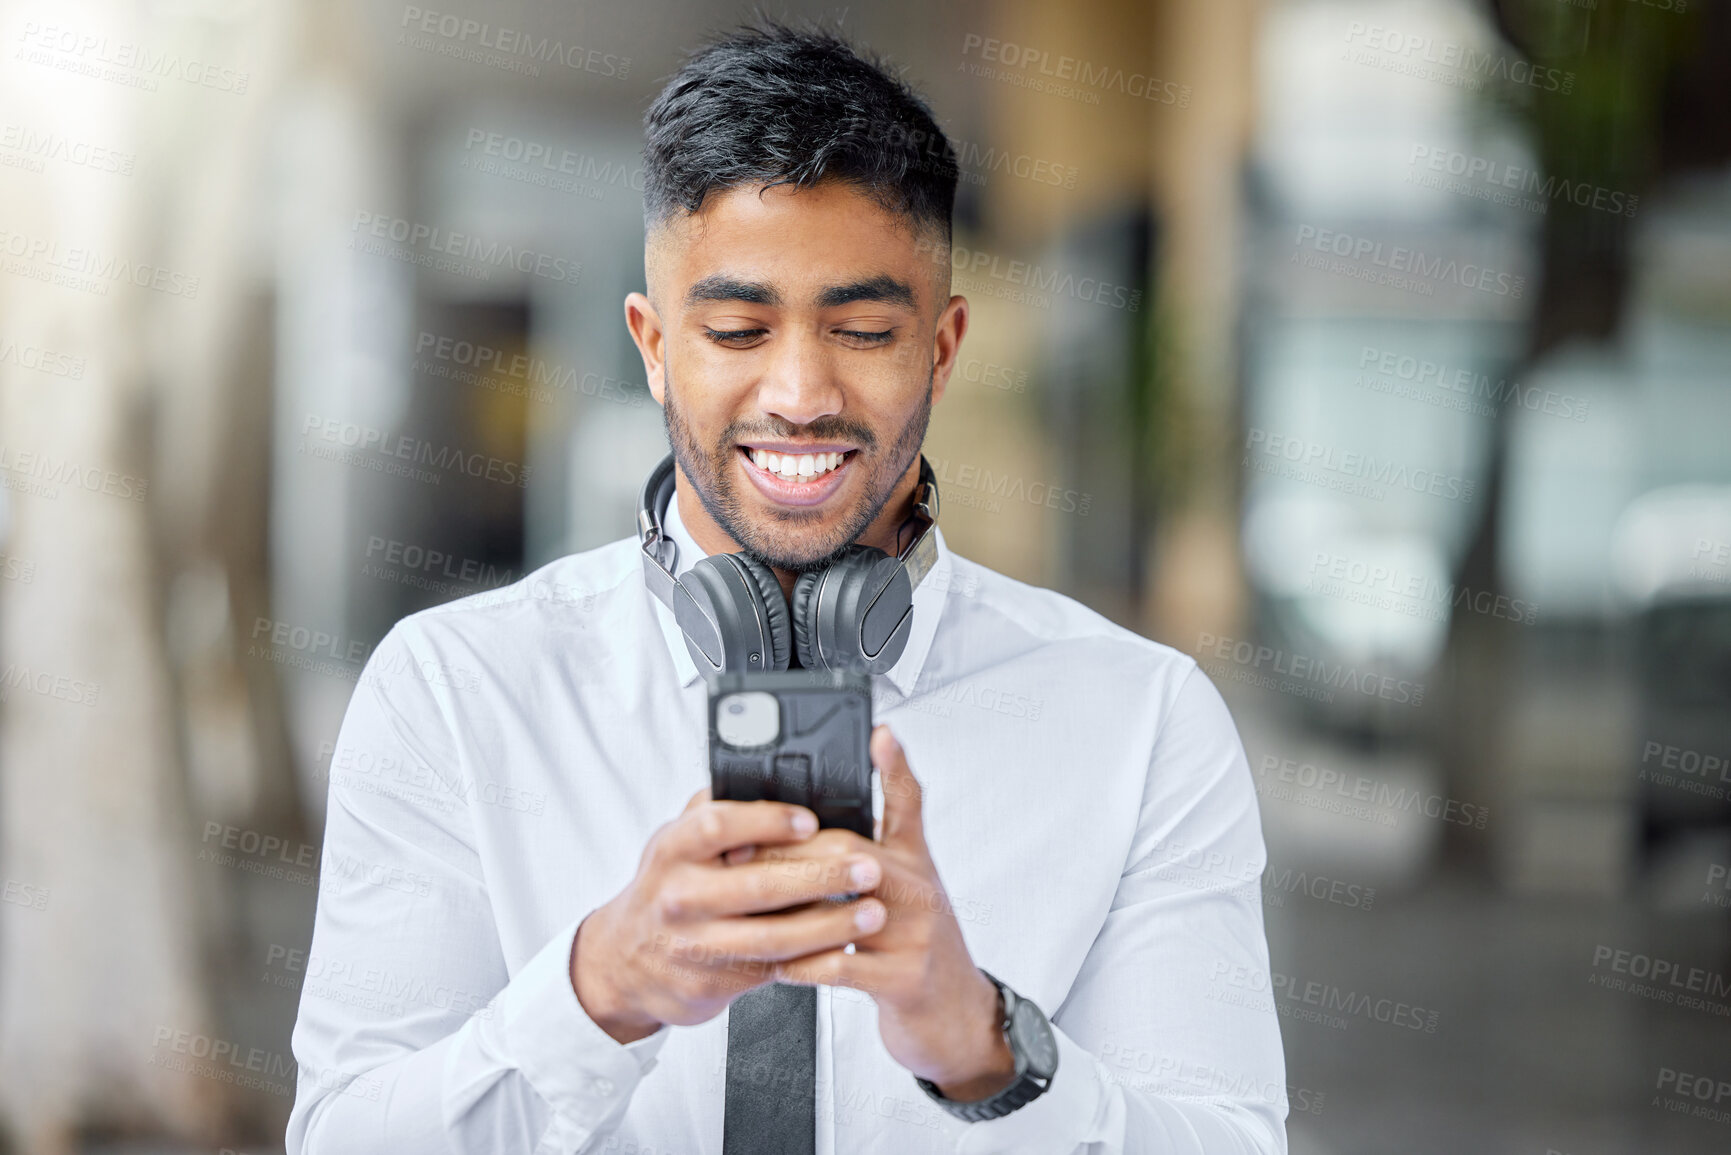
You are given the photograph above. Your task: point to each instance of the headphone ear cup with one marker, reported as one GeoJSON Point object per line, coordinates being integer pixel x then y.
{"type": "Point", "coordinates": [739, 611]}
{"type": "Point", "coordinates": [775, 609]}
{"type": "Point", "coordinates": [804, 629]}
{"type": "Point", "coordinates": [827, 609]}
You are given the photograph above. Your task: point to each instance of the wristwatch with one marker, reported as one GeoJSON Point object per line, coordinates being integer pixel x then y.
{"type": "Point", "coordinates": [1030, 1038]}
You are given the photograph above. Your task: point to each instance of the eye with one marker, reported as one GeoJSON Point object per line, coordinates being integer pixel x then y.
{"type": "Point", "coordinates": [724, 336]}
{"type": "Point", "coordinates": [873, 338]}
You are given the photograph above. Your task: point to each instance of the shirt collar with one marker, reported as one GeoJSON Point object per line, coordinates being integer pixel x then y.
{"type": "Point", "coordinates": [929, 601]}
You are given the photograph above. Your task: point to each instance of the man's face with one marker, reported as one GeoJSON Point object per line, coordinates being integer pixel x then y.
{"type": "Point", "coordinates": [801, 343]}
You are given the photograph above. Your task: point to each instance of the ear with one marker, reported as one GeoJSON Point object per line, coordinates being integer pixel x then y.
{"type": "Point", "coordinates": [651, 340]}
{"type": "Point", "coordinates": [947, 343]}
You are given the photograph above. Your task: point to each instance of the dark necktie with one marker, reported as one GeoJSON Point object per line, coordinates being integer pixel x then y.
{"type": "Point", "coordinates": [771, 1105]}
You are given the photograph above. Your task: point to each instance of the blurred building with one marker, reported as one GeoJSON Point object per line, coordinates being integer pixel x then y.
{"type": "Point", "coordinates": [312, 318]}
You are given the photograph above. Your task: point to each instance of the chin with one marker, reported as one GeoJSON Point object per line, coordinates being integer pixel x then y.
{"type": "Point", "coordinates": [784, 547]}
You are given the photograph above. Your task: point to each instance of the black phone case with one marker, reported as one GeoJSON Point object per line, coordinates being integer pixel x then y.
{"type": "Point", "coordinates": [821, 759]}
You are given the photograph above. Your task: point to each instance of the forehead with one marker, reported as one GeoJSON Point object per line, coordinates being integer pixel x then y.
{"type": "Point", "coordinates": [790, 246]}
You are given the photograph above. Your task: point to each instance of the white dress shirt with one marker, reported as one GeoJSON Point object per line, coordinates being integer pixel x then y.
{"type": "Point", "coordinates": [506, 757]}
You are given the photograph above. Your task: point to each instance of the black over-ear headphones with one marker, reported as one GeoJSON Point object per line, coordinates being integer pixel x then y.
{"type": "Point", "coordinates": [855, 614]}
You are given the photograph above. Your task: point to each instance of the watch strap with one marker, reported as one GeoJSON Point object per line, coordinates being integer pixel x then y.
{"type": "Point", "coordinates": [1023, 1089]}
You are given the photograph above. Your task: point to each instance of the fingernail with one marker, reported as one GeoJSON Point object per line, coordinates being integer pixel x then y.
{"type": "Point", "coordinates": [805, 823]}
{"type": "Point", "coordinates": [863, 872]}
{"type": "Point", "coordinates": [869, 916]}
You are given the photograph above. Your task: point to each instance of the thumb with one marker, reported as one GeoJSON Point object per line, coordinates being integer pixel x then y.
{"type": "Point", "coordinates": [902, 796]}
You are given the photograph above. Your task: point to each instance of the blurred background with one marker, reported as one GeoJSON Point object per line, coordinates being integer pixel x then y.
{"type": "Point", "coordinates": [1376, 354]}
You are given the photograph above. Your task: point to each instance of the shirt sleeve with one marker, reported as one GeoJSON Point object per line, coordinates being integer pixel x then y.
{"type": "Point", "coordinates": [412, 1034]}
{"type": "Point", "coordinates": [1157, 1050]}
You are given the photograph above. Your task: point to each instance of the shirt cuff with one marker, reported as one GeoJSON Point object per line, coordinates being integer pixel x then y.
{"type": "Point", "coordinates": [1071, 1111]}
{"type": "Point", "coordinates": [585, 1075]}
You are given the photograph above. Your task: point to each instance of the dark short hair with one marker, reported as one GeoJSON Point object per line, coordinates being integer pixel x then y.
{"type": "Point", "coordinates": [773, 105]}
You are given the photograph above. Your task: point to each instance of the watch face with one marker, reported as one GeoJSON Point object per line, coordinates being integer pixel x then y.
{"type": "Point", "coordinates": [1033, 1038]}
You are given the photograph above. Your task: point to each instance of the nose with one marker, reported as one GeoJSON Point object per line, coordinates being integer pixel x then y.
{"type": "Point", "coordinates": [799, 384]}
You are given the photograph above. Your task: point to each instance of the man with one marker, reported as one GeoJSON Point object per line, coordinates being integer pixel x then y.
{"type": "Point", "coordinates": [535, 928]}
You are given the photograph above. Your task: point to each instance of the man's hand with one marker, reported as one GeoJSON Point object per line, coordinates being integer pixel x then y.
{"type": "Point", "coordinates": [690, 933]}
{"type": "Point", "coordinates": [938, 1015]}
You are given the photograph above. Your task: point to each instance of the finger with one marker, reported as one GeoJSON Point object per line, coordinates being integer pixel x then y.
{"type": "Point", "coordinates": [739, 855]}
{"type": "Point", "coordinates": [696, 800]}
{"type": "Point", "coordinates": [708, 830]}
{"type": "Point", "coordinates": [777, 937]}
{"type": "Point", "coordinates": [858, 969]}
{"type": "Point", "coordinates": [765, 885]}
{"type": "Point", "coordinates": [902, 818]}
{"type": "Point", "coordinates": [826, 843]}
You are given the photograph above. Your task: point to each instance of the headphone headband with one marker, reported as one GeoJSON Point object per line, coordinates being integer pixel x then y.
{"type": "Point", "coordinates": [660, 554]}
{"type": "Point", "coordinates": [922, 553]}
{"type": "Point", "coordinates": [713, 620]}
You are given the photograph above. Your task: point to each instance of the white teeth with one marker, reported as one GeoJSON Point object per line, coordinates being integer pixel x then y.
{"type": "Point", "coordinates": [791, 465]}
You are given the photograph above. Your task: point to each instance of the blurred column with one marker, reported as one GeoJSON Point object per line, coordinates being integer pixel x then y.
{"type": "Point", "coordinates": [117, 652]}
{"type": "Point", "coordinates": [1141, 402]}
{"type": "Point", "coordinates": [342, 351]}
{"type": "Point", "coordinates": [1069, 89]}
{"type": "Point", "coordinates": [1197, 171]}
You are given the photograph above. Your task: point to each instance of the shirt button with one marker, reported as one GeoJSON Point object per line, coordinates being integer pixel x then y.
{"type": "Point", "coordinates": [603, 1086]}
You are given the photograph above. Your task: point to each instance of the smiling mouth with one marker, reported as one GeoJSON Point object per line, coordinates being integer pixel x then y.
{"type": "Point", "coordinates": [797, 468]}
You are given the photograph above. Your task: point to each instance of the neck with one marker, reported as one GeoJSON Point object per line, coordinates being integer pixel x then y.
{"type": "Point", "coordinates": [711, 538]}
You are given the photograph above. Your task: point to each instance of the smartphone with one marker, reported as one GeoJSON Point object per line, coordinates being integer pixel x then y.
{"type": "Point", "coordinates": [800, 736]}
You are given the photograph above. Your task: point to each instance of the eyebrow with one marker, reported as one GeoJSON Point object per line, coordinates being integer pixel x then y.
{"type": "Point", "coordinates": [721, 287]}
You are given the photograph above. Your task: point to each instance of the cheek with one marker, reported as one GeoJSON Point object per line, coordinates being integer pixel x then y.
{"type": "Point", "coordinates": [894, 392]}
{"type": "Point", "coordinates": [710, 388]}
